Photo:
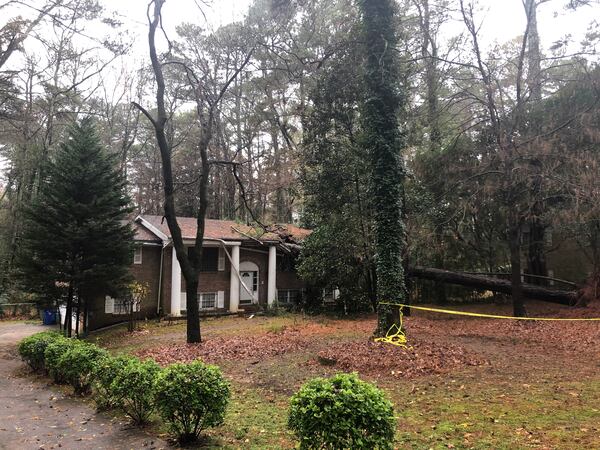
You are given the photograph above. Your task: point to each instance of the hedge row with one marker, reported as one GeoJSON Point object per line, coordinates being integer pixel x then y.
{"type": "Point", "coordinates": [326, 413]}
{"type": "Point", "coordinates": [189, 397]}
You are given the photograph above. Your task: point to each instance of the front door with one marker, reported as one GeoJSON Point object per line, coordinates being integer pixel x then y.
{"type": "Point", "coordinates": [249, 278]}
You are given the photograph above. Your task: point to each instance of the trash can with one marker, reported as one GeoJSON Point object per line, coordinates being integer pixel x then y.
{"type": "Point", "coordinates": [49, 317]}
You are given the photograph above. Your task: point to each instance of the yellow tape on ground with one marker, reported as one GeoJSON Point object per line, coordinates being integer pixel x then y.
{"type": "Point", "coordinates": [395, 335]}
{"type": "Point", "coordinates": [494, 316]}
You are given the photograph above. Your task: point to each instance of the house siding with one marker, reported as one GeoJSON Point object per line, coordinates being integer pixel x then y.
{"type": "Point", "coordinates": [143, 273]}
{"type": "Point", "coordinates": [148, 271]}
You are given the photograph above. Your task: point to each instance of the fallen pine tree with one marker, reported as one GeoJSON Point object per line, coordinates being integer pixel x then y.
{"type": "Point", "coordinates": [487, 283]}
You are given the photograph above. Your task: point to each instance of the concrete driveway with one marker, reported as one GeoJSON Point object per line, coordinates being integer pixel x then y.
{"type": "Point", "coordinates": [34, 414]}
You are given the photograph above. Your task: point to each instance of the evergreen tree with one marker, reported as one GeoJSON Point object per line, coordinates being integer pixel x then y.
{"type": "Point", "coordinates": [383, 142]}
{"type": "Point", "coordinates": [339, 254]}
{"type": "Point", "coordinates": [76, 243]}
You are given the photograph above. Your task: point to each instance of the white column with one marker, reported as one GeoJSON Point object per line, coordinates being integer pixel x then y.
{"type": "Point", "coordinates": [272, 276]}
{"type": "Point", "coordinates": [234, 281]}
{"type": "Point", "coordinates": [175, 285]}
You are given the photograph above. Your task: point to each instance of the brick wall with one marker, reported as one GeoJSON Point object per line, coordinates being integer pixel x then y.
{"type": "Point", "coordinates": [209, 282]}
{"type": "Point", "coordinates": [147, 272]}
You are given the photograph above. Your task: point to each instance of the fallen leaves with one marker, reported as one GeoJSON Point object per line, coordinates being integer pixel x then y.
{"type": "Point", "coordinates": [438, 343]}
{"type": "Point", "coordinates": [219, 349]}
{"type": "Point", "coordinates": [376, 358]}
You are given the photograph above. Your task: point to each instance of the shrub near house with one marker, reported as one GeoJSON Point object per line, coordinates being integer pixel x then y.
{"type": "Point", "coordinates": [342, 412]}
{"type": "Point", "coordinates": [189, 397]}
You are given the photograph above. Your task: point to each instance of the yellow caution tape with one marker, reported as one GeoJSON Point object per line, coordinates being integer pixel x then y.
{"type": "Point", "coordinates": [395, 335]}
{"type": "Point", "coordinates": [490, 316]}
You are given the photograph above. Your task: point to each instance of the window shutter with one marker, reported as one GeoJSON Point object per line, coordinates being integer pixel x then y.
{"type": "Point", "coordinates": [183, 303]}
{"type": "Point", "coordinates": [221, 299]}
{"type": "Point", "coordinates": [109, 305]}
{"type": "Point", "coordinates": [137, 255]}
{"type": "Point", "coordinates": [221, 259]}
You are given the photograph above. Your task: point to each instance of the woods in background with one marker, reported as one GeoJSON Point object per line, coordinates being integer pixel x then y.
{"type": "Point", "coordinates": [496, 143]}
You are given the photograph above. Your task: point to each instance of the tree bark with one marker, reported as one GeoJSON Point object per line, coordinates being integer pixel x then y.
{"type": "Point", "coordinates": [383, 142]}
{"type": "Point", "coordinates": [494, 284]}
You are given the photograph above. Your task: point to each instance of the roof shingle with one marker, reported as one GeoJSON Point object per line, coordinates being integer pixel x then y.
{"type": "Point", "coordinates": [228, 230]}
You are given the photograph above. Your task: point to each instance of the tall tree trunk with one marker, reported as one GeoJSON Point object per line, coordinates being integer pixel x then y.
{"type": "Point", "coordinates": [536, 255]}
{"type": "Point", "coordinates": [383, 143]}
{"type": "Point", "coordinates": [514, 241]}
{"type": "Point", "coordinates": [69, 311]}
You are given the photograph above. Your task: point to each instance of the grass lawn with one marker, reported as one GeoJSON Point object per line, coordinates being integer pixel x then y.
{"type": "Point", "coordinates": [466, 383]}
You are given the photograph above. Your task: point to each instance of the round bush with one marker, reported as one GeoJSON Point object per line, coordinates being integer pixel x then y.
{"type": "Point", "coordinates": [52, 356]}
{"type": "Point", "coordinates": [191, 397]}
{"type": "Point", "coordinates": [76, 364]}
{"type": "Point", "coordinates": [342, 412]}
{"type": "Point", "coordinates": [132, 389]}
{"type": "Point", "coordinates": [32, 348]}
{"type": "Point", "coordinates": [105, 371]}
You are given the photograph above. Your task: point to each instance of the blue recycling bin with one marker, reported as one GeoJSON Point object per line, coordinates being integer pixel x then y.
{"type": "Point", "coordinates": [49, 317]}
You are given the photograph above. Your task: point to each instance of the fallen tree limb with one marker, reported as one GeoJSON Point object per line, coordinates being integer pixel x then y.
{"type": "Point", "coordinates": [494, 284]}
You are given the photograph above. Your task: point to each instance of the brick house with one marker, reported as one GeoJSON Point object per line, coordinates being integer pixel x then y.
{"type": "Point", "coordinates": [242, 270]}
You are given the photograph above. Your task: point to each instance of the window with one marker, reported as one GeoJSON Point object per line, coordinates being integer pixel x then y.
{"type": "Point", "coordinates": [137, 255]}
{"type": "Point", "coordinates": [288, 296]}
{"type": "Point", "coordinates": [551, 275]}
{"type": "Point", "coordinates": [330, 295]}
{"type": "Point", "coordinates": [286, 263]}
{"type": "Point", "coordinates": [548, 237]}
{"type": "Point", "coordinates": [210, 259]}
{"type": "Point", "coordinates": [207, 300]}
{"type": "Point", "coordinates": [119, 306]}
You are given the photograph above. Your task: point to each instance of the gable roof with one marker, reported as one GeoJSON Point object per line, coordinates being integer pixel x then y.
{"type": "Point", "coordinates": [227, 230]}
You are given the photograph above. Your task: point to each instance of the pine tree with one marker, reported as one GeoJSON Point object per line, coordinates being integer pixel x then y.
{"type": "Point", "coordinates": [382, 141]}
{"type": "Point", "coordinates": [76, 243]}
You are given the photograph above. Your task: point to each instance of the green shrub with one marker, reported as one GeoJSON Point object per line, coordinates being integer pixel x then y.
{"type": "Point", "coordinates": [52, 356]}
{"type": "Point", "coordinates": [342, 412]}
{"type": "Point", "coordinates": [105, 371]}
{"type": "Point", "coordinates": [32, 348]}
{"type": "Point", "coordinates": [132, 389]}
{"type": "Point", "coordinates": [76, 365]}
{"type": "Point", "coordinates": [191, 397]}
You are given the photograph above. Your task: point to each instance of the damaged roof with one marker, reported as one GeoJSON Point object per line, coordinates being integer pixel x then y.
{"type": "Point", "coordinates": [227, 230]}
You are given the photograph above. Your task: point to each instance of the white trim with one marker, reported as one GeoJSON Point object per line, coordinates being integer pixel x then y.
{"type": "Point", "coordinates": [221, 261]}
{"type": "Point", "coordinates": [138, 255]}
{"type": "Point", "coordinates": [234, 278]}
{"type": "Point", "coordinates": [249, 266]}
{"type": "Point", "coordinates": [109, 305]}
{"type": "Point", "coordinates": [183, 301]}
{"type": "Point", "coordinates": [221, 299]}
{"type": "Point", "coordinates": [199, 297]}
{"type": "Point", "coordinates": [272, 276]}
{"type": "Point", "coordinates": [152, 228]}
{"type": "Point", "coordinates": [175, 285]}
{"type": "Point", "coordinates": [211, 242]}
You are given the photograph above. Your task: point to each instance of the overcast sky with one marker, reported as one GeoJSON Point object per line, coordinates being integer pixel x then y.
{"type": "Point", "coordinates": [502, 21]}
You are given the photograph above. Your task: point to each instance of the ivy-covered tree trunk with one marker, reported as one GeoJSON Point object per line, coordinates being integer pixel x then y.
{"type": "Point", "coordinates": [382, 141]}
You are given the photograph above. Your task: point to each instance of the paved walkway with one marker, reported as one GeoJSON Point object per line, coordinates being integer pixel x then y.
{"type": "Point", "coordinates": [34, 414]}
